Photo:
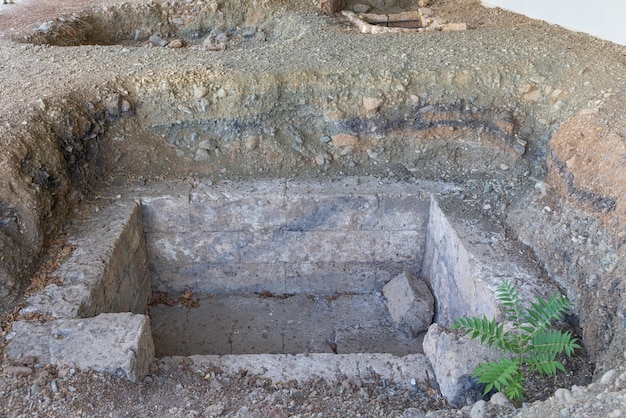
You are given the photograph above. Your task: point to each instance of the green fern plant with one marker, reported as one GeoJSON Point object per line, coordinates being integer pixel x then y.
{"type": "Point", "coordinates": [529, 338]}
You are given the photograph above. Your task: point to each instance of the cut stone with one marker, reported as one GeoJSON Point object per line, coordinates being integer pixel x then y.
{"type": "Point", "coordinates": [410, 303]}
{"type": "Point", "coordinates": [454, 359]}
{"type": "Point", "coordinates": [115, 343]}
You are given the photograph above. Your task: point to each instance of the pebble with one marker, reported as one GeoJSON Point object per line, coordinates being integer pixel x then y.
{"type": "Point", "coordinates": [176, 43]}
{"type": "Point", "coordinates": [18, 370]}
{"type": "Point", "coordinates": [360, 8]}
{"type": "Point", "coordinates": [156, 40]}
{"type": "Point", "coordinates": [320, 160]}
{"type": "Point", "coordinates": [53, 386]}
{"type": "Point", "coordinates": [200, 91]}
{"type": "Point", "coordinates": [251, 143]}
{"type": "Point", "coordinates": [344, 140]}
{"type": "Point", "coordinates": [372, 103]}
{"type": "Point", "coordinates": [325, 139]}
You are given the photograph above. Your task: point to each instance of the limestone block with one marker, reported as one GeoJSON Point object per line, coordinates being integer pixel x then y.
{"type": "Point", "coordinates": [115, 343]}
{"type": "Point", "coordinates": [454, 359]}
{"type": "Point", "coordinates": [410, 303]}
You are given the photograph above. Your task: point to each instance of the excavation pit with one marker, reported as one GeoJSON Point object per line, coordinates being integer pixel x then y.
{"type": "Point", "coordinates": [245, 272]}
{"type": "Point", "coordinates": [281, 267]}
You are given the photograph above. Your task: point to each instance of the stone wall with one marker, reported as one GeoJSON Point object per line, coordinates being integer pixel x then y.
{"type": "Point", "coordinates": [107, 272]}
{"type": "Point", "coordinates": [285, 236]}
{"type": "Point", "coordinates": [467, 257]}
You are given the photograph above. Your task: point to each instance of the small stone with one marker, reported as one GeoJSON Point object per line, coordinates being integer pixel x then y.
{"type": "Point", "coordinates": [35, 389]}
{"type": "Point", "coordinates": [372, 103]}
{"type": "Point", "coordinates": [537, 79]}
{"type": "Point", "coordinates": [360, 8]}
{"type": "Point", "coordinates": [200, 91]}
{"type": "Point", "coordinates": [214, 7]}
{"type": "Point", "coordinates": [207, 144]}
{"type": "Point", "coordinates": [203, 104]}
{"type": "Point", "coordinates": [504, 167]}
{"type": "Point", "coordinates": [479, 409]}
{"type": "Point", "coordinates": [156, 40]}
{"type": "Point", "coordinates": [221, 93]}
{"type": "Point", "coordinates": [222, 38]}
{"type": "Point", "coordinates": [501, 400]}
{"type": "Point", "coordinates": [564, 396]}
{"type": "Point", "coordinates": [423, 3]}
{"type": "Point", "coordinates": [344, 140]}
{"type": "Point", "coordinates": [334, 115]}
{"type": "Point", "coordinates": [487, 206]}
{"type": "Point", "coordinates": [176, 43]}
{"type": "Point", "coordinates": [125, 106]}
{"type": "Point", "coordinates": [18, 370]}
{"type": "Point", "coordinates": [251, 143]}
{"type": "Point", "coordinates": [608, 377]}
{"type": "Point", "coordinates": [53, 386]}
{"type": "Point", "coordinates": [325, 139]}
{"type": "Point", "coordinates": [532, 96]}
{"type": "Point", "coordinates": [320, 160]}
{"type": "Point", "coordinates": [202, 155]}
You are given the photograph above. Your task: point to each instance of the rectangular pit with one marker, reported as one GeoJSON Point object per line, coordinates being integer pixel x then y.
{"type": "Point", "coordinates": [282, 267]}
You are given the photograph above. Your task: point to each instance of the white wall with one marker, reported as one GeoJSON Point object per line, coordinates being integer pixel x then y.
{"type": "Point", "coordinates": [604, 19]}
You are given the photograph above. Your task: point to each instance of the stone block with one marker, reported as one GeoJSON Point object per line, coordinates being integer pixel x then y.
{"type": "Point", "coordinates": [109, 258]}
{"type": "Point", "coordinates": [115, 343]}
{"type": "Point", "coordinates": [454, 359]}
{"type": "Point", "coordinates": [465, 262]}
{"type": "Point", "coordinates": [410, 303]}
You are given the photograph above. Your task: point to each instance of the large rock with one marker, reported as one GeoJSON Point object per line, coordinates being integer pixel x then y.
{"type": "Point", "coordinates": [115, 343]}
{"type": "Point", "coordinates": [410, 303]}
{"type": "Point", "coordinates": [454, 359]}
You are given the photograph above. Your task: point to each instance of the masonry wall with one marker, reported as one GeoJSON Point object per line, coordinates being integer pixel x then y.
{"type": "Point", "coordinates": [285, 236]}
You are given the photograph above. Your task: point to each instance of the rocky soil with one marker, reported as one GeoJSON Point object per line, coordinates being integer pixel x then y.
{"type": "Point", "coordinates": [526, 117]}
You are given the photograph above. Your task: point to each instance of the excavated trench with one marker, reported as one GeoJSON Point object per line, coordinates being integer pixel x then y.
{"type": "Point", "coordinates": [232, 255]}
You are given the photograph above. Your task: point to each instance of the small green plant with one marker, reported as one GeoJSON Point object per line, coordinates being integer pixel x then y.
{"type": "Point", "coordinates": [530, 338]}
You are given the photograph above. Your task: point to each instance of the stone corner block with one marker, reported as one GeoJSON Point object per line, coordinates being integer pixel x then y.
{"type": "Point", "coordinates": [454, 359]}
{"type": "Point", "coordinates": [115, 343]}
{"type": "Point", "coordinates": [410, 303]}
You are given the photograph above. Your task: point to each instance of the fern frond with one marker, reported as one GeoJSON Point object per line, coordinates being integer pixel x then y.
{"type": "Point", "coordinates": [544, 363]}
{"type": "Point", "coordinates": [498, 375]}
{"type": "Point", "coordinates": [542, 313]}
{"type": "Point", "coordinates": [489, 332]}
{"type": "Point", "coordinates": [554, 341]}
{"type": "Point", "coordinates": [508, 297]}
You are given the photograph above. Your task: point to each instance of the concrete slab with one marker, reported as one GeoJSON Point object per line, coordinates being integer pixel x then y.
{"type": "Point", "coordinates": [115, 343]}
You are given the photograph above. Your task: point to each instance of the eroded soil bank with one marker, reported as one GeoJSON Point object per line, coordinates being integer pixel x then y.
{"type": "Point", "coordinates": [525, 117]}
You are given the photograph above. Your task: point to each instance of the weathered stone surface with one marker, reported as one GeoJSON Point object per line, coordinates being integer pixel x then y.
{"type": "Point", "coordinates": [328, 366]}
{"type": "Point", "coordinates": [464, 264]}
{"type": "Point", "coordinates": [454, 359]}
{"type": "Point", "coordinates": [107, 272]}
{"type": "Point", "coordinates": [410, 303]}
{"type": "Point", "coordinates": [216, 236]}
{"type": "Point", "coordinates": [116, 343]}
